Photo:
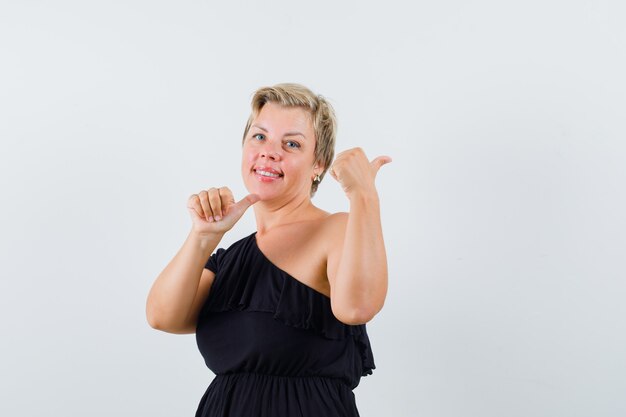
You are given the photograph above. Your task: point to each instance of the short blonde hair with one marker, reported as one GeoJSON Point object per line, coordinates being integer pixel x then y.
{"type": "Point", "coordinates": [322, 116]}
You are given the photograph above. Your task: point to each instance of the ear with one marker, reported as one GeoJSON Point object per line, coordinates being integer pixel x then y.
{"type": "Point", "coordinates": [316, 171]}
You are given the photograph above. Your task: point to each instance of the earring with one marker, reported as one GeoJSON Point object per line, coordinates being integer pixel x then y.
{"type": "Point", "coordinates": [317, 179]}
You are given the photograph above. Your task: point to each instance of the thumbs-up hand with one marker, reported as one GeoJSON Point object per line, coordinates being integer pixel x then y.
{"type": "Point", "coordinates": [355, 172]}
{"type": "Point", "coordinates": [215, 210]}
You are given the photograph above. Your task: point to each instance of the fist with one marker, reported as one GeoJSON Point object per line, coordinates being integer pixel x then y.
{"type": "Point", "coordinates": [215, 210]}
{"type": "Point", "coordinates": [355, 172]}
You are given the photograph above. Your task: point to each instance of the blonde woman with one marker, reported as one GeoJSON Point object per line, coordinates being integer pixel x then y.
{"type": "Point", "coordinates": [280, 315]}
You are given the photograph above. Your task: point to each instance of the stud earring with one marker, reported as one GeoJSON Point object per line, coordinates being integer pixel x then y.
{"type": "Point", "coordinates": [317, 179]}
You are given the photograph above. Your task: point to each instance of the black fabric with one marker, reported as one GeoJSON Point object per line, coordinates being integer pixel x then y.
{"type": "Point", "coordinates": [274, 344]}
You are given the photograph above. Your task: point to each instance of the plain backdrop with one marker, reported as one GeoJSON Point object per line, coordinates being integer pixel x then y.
{"type": "Point", "coordinates": [503, 208]}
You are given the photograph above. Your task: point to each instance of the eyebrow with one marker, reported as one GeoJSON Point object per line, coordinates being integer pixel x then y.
{"type": "Point", "coordinates": [286, 134]}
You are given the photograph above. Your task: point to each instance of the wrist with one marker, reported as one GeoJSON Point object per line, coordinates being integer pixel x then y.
{"type": "Point", "coordinates": [364, 196]}
{"type": "Point", "coordinates": [205, 239]}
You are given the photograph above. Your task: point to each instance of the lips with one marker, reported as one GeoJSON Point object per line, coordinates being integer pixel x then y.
{"type": "Point", "coordinates": [268, 172]}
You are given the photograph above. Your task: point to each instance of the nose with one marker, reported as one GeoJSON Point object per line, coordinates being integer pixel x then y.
{"type": "Point", "coordinates": [269, 153]}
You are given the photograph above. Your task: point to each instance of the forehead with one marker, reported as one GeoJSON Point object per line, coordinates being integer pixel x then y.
{"type": "Point", "coordinates": [276, 116]}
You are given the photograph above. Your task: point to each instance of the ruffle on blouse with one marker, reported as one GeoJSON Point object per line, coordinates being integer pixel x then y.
{"type": "Point", "coordinates": [263, 287]}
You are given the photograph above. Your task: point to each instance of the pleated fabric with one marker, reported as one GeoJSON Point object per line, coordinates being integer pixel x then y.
{"type": "Point", "coordinates": [275, 346]}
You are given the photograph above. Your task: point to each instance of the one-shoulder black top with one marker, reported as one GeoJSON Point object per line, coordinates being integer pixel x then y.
{"type": "Point", "coordinates": [274, 344]}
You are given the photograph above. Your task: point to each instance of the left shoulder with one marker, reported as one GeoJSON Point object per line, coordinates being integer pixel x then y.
{"type": "Point", "coordinates": [334, 226]}
{"type": "Point", "coordinates": [335, 219]}
{"type": "Point", "coordinates": [332, 231]}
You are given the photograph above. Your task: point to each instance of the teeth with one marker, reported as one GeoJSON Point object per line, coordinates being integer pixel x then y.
{"type": "Point", "coordinates": [267, 174]}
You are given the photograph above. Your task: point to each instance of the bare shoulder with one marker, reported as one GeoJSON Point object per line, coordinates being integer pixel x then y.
{"type": "Point", "coordinates": [334, 229]}
{"type": "Point", "coordinates": [336, 220]}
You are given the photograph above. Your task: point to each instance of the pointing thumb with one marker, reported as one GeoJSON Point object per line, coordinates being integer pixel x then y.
{"type": "Point", "coordinates": [379, 162]}
{"type": "Point", "coordinates": [242, 205]}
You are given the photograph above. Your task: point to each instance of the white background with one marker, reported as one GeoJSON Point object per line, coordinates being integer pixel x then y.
{"type": "Point", "coordinates": [503, 209]}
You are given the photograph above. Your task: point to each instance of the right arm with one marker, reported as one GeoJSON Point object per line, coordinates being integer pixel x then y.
{"type": "Point", "coordinates": [180, 290]}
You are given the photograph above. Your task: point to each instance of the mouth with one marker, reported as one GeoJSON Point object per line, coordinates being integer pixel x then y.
{"type": "Point", "coordinates": [267, 172]}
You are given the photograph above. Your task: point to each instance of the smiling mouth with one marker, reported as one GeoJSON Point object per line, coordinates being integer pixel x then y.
{"type": "Point", "coordinates": [267, 173]}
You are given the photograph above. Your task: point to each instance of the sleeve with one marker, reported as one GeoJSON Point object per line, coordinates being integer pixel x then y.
{"type": "Point", "coordinates": [213, 264]}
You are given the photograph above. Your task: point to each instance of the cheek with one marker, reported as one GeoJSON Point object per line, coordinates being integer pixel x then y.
{"type": "Point", "coordinates": [297, 169]}
{"type": "Point", "coordinates": [247, 157]}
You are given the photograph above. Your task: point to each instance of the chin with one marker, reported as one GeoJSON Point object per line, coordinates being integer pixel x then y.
{"type": "Point", "coordinates": [255, 189]}
{"type": "Point", "coordinates": [263, 190]}
{"type": "Point", "coordinates": [264, 195]}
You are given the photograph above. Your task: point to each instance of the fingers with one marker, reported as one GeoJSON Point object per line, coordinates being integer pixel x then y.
{"type": "Point", "coordinates": [195, 207]}
{"type": "Point", "coordinates": [212, 204]}
{"type": "Point", "coordinates": [215, 204]}
{"type": "Point", "coordinates": [356, 157]}
{"type": "Point", "coordinates": [227, 196]}
{"type": "Point", "coordinates": [204, 199]}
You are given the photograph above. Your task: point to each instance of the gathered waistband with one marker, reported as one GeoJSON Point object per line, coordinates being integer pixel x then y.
{"type": "Point", "coordinates": [262, 376]}
{"type": "Point", "coordinates": [253, 394]}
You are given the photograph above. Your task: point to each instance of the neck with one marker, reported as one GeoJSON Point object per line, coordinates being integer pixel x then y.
{"type": "Point", "coordinates": [273, 214]}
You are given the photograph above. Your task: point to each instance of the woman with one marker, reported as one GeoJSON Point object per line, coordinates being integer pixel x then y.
{"type": "Point", "coordinates": [280, 316]}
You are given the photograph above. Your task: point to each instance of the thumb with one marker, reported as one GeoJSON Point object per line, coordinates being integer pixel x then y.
{"type": "Point", "coordinates": [242, 205]}
{"type": "Point", "coordinates": [379, 162]}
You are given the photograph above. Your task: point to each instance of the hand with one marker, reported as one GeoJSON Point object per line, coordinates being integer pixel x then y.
{"type": "Point", "coordinates": [355, 172]}
{"type": "Point", "coordinates": [215, 210]}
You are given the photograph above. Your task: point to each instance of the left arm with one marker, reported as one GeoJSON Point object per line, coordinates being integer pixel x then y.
{"type": "Point", "coordinates": [357, 261]}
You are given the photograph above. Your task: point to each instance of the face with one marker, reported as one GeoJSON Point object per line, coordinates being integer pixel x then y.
{"type": "Point", "coordinates": [278, 153]}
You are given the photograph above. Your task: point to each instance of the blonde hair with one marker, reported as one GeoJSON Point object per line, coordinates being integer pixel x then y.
{"type": "Point", "coordinates": [322, 116]}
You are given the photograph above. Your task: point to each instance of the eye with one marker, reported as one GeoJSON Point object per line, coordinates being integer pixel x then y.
{"type": "Point", "coordinates": [292, 144]}
{"type": "Point", "coordinates": [258, 134]}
